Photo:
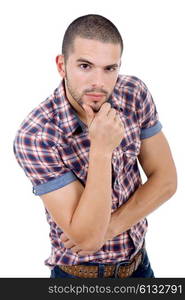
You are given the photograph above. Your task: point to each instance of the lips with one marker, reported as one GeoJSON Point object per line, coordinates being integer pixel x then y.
{"type": "Point", "coordinates": [95, 96]}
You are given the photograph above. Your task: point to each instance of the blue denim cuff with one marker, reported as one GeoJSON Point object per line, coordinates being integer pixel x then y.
{"type": "Point", "coordinates": [148, 132]}
{"type": "Point", "coordinates": [54, 184]}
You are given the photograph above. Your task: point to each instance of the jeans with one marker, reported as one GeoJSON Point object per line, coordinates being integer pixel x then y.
{"type": "Point", "coordinates": [143, 270]}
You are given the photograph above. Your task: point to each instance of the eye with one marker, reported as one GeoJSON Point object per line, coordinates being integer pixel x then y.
{"type": "Point", "coordinates": [111, 69]}
{"type": "Point", "coordinates": [84, 66]}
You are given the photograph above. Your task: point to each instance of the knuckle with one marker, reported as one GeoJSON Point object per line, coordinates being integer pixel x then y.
{"type": "Point", "coordinates": [107, 104]}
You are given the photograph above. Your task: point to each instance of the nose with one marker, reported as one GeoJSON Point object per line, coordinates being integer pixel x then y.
{"type": "Point", "coordinates": [97, 79]}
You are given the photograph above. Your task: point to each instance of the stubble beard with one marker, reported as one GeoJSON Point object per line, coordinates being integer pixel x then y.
{"type": "Point", "coordinates": [78, 98]}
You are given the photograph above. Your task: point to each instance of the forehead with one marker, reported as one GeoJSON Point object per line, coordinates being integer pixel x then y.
{"type": "Point", "coordinates": [94, 50]}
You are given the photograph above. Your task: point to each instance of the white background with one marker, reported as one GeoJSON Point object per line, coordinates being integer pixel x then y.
{"type": "Point", "coordinates": [31, 37]}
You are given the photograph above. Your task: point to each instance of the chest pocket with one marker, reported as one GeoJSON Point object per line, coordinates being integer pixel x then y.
{"type": "Point", "coordinates": [124, 158]}
{"type": "Point", "coordinates": [75, 155]}
{"type": "Point", "coordinates": [126, 154]}
{"type": "Point", "coordinates": [130, 153]}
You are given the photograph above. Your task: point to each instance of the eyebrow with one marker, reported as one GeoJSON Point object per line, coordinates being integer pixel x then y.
{"type": "Point", "coordinates": [83, 60]}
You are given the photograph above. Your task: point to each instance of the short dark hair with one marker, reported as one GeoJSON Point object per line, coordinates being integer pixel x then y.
{"type": "Point", "coordinates": [90, 26]}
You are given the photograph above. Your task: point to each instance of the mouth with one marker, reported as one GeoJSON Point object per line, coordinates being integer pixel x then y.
{"type": "Point", "coordinates": [95, 96]}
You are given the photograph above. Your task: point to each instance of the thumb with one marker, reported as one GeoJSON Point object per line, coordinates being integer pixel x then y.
{"type": "Point", "coordinates": [89, 113]}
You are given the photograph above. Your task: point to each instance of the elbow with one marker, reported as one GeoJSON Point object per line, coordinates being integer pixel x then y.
{"type": "Point", "coordinates": [91, 245]}
{"type": "Point", "coordinates": [88, 240]}
{"type": "Point", "coordinates": [171, 186]}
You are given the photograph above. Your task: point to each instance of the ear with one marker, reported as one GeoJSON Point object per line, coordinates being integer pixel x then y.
{"type": "Point", "coordinates": [60, 65]}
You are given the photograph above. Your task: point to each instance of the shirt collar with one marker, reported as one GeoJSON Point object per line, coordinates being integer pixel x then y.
{"type": "Point", "coordinates": [68, 120]}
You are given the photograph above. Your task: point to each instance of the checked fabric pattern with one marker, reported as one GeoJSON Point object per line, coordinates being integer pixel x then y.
{"type": "Point", "coordinates": [52, 148]}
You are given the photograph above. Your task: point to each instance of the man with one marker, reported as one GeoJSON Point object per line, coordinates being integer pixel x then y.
{"type": "Point", "coordinates": [80, 149]}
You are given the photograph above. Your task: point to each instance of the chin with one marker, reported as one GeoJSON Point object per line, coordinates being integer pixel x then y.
{"type": "Point", "coordinates": [95, 110]}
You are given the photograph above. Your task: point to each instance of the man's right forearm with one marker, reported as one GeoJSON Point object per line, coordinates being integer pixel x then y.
{"type": "Point", "coordinates": [91, 217]}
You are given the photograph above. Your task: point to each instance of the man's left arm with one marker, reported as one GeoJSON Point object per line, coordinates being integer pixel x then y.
{"type": "Point", "coordinates": [156, 160]}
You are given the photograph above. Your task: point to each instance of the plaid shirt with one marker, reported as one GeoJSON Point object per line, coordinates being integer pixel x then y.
{"type": "Point", "coordinates": [52, 147]}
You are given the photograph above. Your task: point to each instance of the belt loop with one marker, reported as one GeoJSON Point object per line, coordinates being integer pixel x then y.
{"type": "Point", "coordinates": [143, 253]}
{"type": "Point", "coordinates": [101, 268]}
{"type": "Point", "coordinates": [116, 270]}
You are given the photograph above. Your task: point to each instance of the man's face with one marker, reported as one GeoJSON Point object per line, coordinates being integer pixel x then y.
{"type": "Point", "coordinates": [91, 72]}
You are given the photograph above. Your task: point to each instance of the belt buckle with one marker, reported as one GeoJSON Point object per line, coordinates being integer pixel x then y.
{"type": "Point", "coordinates": [118, 265]}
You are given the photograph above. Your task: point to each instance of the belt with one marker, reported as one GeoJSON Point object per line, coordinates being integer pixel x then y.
{"type": "Point", "coordinates": [90, 271]}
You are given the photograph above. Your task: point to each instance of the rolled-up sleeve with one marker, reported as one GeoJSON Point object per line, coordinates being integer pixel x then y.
{"type": "Point", "coordinates": [147, 113]}
{"type": "Point", "coordinates": [41, 163]}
